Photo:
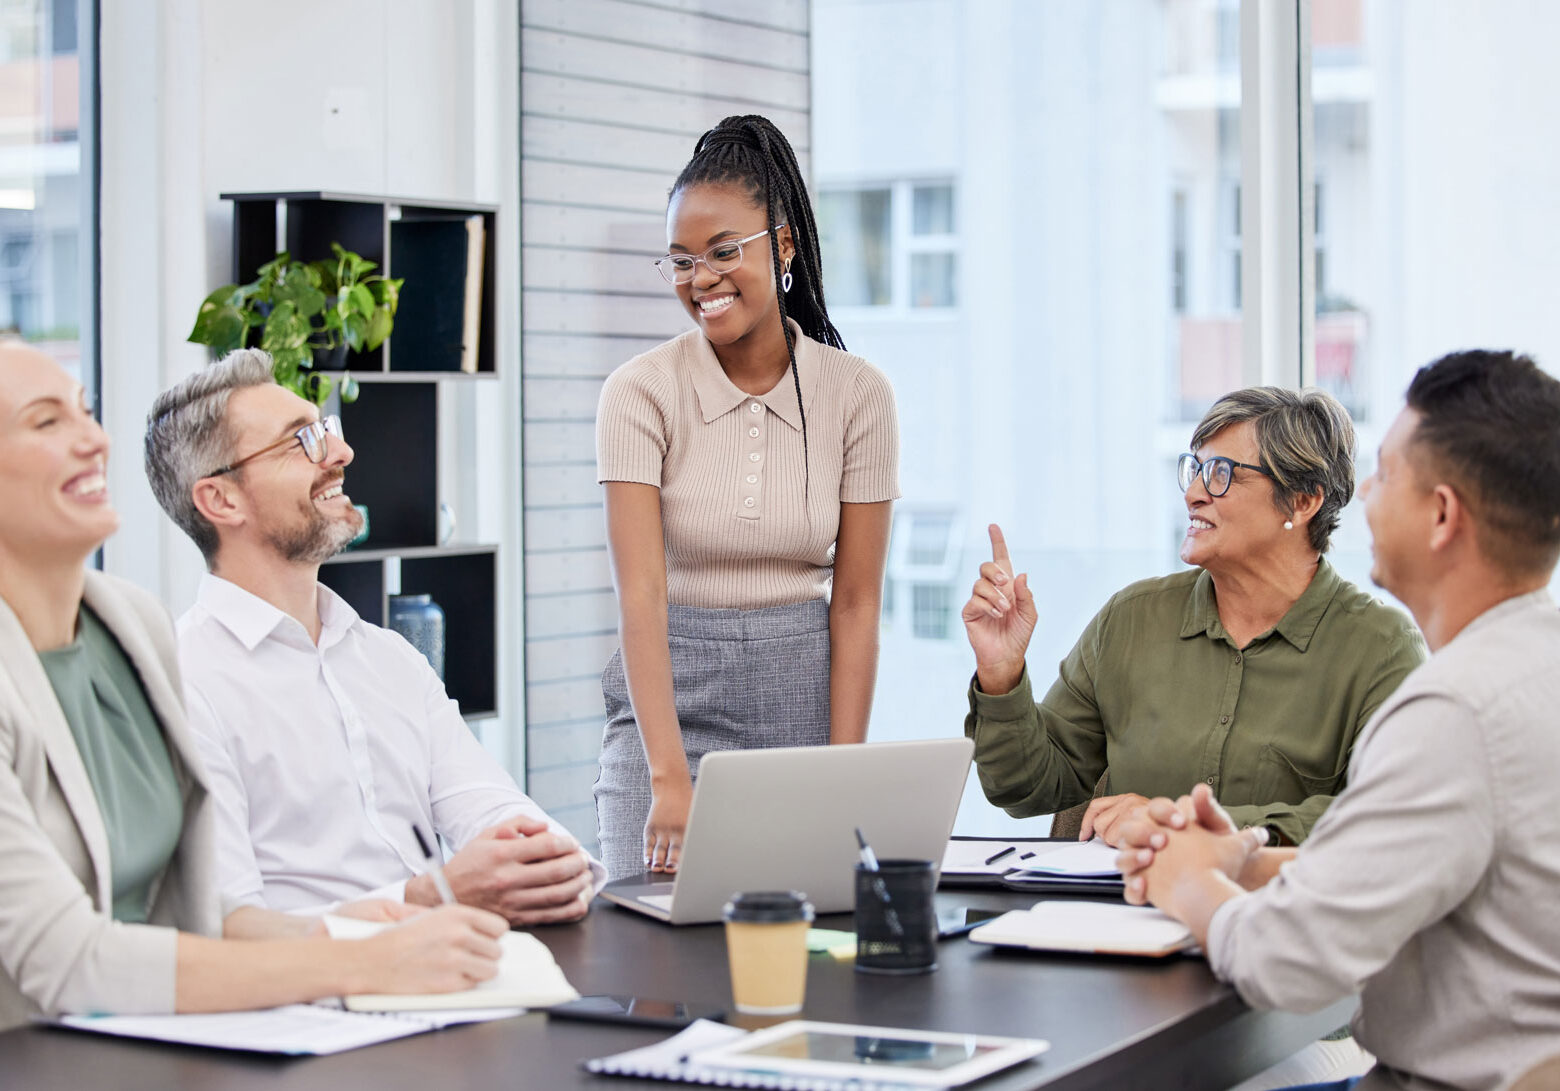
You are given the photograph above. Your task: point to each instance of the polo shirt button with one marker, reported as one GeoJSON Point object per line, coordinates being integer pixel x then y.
{"type": "Point", "coordinates": [753, 432]}
{"type": "Point", "coordinates": [1212, 781]}
{"type": "Point", "coordinates": [749, 502]}
{"type": "Point", "coordinates": [752, 479]}
{"type": "Point", "coordinates": [755, 407]}
{"type": "Point", "coordinates": [753, 456]}
{"type": "Point", "coordinates": [1237, 659]}
{"type": "Point", "coordinates": [1224, 719]}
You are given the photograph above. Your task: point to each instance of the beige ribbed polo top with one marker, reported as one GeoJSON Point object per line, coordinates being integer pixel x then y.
{"type": "Point", "coordinates": [729, 466]}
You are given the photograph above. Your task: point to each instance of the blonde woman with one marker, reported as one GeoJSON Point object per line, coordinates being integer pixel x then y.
{"type": "Point", "coordinates": [107, 893]}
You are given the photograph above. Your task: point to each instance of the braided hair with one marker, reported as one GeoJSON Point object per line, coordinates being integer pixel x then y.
{"type": "Point", "coordinates": [748, 150]}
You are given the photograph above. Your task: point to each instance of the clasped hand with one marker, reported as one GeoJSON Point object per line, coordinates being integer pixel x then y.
{"type": "Point", "coordinates": [1167, 841]}
{"type": "Point", "coordinates": [520, 869]}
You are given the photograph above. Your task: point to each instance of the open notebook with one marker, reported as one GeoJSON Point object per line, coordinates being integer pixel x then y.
{"type": "Point", "coordinates": [527, 977]}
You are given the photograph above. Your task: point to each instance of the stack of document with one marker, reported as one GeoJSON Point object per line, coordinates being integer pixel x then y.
{"type": "Point", "coordinates": [1087, 867]}
{"type": "Point", "coordinates": [981, 861]}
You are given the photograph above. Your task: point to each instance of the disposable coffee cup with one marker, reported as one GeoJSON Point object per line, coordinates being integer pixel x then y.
{"type": "Point", "coordinates": [766, 944]}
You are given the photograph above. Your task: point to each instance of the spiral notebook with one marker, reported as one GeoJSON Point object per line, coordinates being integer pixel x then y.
{"type": "Point", "coordinates": [806, 1056]}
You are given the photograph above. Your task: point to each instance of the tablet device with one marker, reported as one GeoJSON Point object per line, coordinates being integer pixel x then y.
{"type": "Point", "coordinates": [841, 1051]}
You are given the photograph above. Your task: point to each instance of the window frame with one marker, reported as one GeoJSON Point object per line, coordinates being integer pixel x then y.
{"type": "Point", "coordinates": [903, 242]}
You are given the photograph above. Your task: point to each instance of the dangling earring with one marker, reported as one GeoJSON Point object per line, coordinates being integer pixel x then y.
{"type": "Point", "coordinates": [1288, 525]}
{"type": "Point", "coordinates": [785, 278]}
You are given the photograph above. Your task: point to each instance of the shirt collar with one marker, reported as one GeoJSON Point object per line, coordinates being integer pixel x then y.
{"type": "Point", "coordinates": [1297, 625]}
{"type": "Point", "coordinates": [1532, 600]}
{"type": "Point", "coordinates": [718, 395]}
{"type": "Point", "coordinates": [252, 619]}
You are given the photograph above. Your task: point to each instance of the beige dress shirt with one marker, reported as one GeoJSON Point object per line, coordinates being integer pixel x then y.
{"type": "Point", "coordinates": [1431, 883]}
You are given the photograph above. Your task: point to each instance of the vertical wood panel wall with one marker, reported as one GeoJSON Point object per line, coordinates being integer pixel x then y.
{"type": "Point", "coordinates": [613, 95]}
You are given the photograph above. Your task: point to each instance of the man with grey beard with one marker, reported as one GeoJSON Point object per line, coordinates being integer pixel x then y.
{"type": "Point", "coordinates": [328, 741]}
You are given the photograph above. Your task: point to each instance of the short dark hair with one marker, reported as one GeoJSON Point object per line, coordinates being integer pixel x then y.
{"type": "Point", "coordinates": [1490, 423]}
{"type": "Point", "coordinates": [1305, 439]}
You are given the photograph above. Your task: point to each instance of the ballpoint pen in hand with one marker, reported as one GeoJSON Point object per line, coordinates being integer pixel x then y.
{"type": "Point", "coordinates": [869, 861]}
{"type": "Point", "coordinates": [435, 869]}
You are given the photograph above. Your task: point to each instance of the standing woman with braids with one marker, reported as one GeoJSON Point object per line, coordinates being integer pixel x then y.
{"type": "Point", "coordinates": [750, 468]}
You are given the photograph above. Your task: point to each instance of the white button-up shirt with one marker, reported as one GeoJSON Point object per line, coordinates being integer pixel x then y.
{"type": "Point", "coordinates": [321, 758]}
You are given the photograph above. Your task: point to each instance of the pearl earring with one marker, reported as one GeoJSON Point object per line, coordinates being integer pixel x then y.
{"type": "Point", "coordinates": [1288, 525]}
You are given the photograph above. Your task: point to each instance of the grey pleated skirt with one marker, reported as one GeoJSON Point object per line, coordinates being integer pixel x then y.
{"type": "Point", "coordinates": [741, 679]}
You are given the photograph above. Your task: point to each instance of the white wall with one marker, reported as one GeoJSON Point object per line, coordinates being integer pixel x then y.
{"type": "Point", "coordinates": [406, 98]}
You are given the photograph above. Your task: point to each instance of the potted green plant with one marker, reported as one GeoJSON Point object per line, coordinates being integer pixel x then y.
{"type": "Point", "coordinates": [307, 314]}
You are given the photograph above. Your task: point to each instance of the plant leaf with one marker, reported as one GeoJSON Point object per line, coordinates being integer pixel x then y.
{"type": "Point", "coordinates": [221, 327]}
{"type": "Point", "coordinates": [386, 292]}
{"type": "Point", "coordinates": [362, 299]}
{"type": "Point", "coordinates": [379, 324]}
{"type": "Point", "coordinates": [354, 330]}
{"type": "Point", "coordinates": [298, 291]}
{"type": "Point", "coordinates": [325, 272]}
{"type": "Point", "coordinates": [227, 295]}
{"type": "Point", "coordinates": [284, 329]}
{"type": "Point", "coordinates": [349, 388]}
{"type": "Point", "coordinates": [317, 387]}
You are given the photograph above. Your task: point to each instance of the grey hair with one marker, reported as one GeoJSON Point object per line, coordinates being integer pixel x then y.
{"type": "Point", "coordinates": [1305, 438]}
{"type": "Point", "coordinates": [187, 436]}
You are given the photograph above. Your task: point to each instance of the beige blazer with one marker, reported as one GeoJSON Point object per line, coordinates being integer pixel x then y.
{"type": "Point", "coordinates": [60, 949]}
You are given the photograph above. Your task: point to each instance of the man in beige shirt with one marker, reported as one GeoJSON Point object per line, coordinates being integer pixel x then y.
{"type": "Point", "coordinates": [1430, 884]}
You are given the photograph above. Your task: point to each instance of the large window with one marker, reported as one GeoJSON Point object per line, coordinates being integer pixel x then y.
{"type": "Point", "coordinates": [1436, 214]}
{"type": "Point", "coordinates": [1031, 221]}
{"type": "Point", "coordinates": [46, 197]}
{"type": "Point", "coordinates": [1120, 266]}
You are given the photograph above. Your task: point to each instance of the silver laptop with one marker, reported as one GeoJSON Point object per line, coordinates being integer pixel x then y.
{"type": "Point", "coordinates": [784, 819]}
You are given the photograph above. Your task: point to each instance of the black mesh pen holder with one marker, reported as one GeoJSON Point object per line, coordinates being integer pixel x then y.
{"type": "Point", "coordinates": [896, 919]}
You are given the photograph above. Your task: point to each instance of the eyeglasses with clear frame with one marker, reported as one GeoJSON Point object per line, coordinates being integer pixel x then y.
{"type": "Point", "coordinates": [720, 259]}
{"type": "Point", "coordinates": [311, 437]}
{"type": "Point", "coordinates": [1217, 472]}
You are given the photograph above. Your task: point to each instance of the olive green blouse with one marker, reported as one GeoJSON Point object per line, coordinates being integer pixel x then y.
{"type": "Point", "coordinates": [126, 758]}
{"type": "Point", "coordinates": [1156, 692]}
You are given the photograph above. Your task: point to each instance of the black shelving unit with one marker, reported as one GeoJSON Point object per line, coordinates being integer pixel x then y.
{"type": "Point", "coordinates": [393, 426]}
{"type": "Point", "coordinates": [463, 580]}
{"type": "Point", "coordinates": [381, 229]}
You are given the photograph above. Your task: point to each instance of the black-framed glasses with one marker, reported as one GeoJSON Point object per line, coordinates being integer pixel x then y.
{"type": "Point", "coordinates": [722, 258]}
{"type": "Point", "coordinates": [311, 437]}
{"type": "Point", "coordinates": [1216, 472]}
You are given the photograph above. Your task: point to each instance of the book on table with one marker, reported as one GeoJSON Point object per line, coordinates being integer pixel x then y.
{"type": "Point", "coordinates": [1099, 928]}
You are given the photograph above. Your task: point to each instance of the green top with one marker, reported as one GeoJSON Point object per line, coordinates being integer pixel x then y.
{"type": "Point", "coordinates": [122, 747]}
{"type": "Point", "coordinates": [1157, 692]}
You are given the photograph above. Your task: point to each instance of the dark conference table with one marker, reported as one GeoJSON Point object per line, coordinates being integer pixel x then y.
{"type": "Point", "coordinates": [1112, 1023]}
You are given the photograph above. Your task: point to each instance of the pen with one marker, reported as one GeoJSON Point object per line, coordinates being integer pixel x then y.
{"type": "Point", "coordinates": [869, 861]}
{"type": "Point", "coordinates": [435, 869]}
{"type": "Point", "coordinates": [994, 857]}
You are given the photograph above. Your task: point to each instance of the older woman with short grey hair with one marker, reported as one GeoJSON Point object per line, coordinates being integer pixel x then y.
{"type": "Point", "coordinates": [1252, 673]}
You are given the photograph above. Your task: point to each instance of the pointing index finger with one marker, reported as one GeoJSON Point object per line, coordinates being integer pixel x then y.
{"type": "Point", "coordinates": [999, 550]}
